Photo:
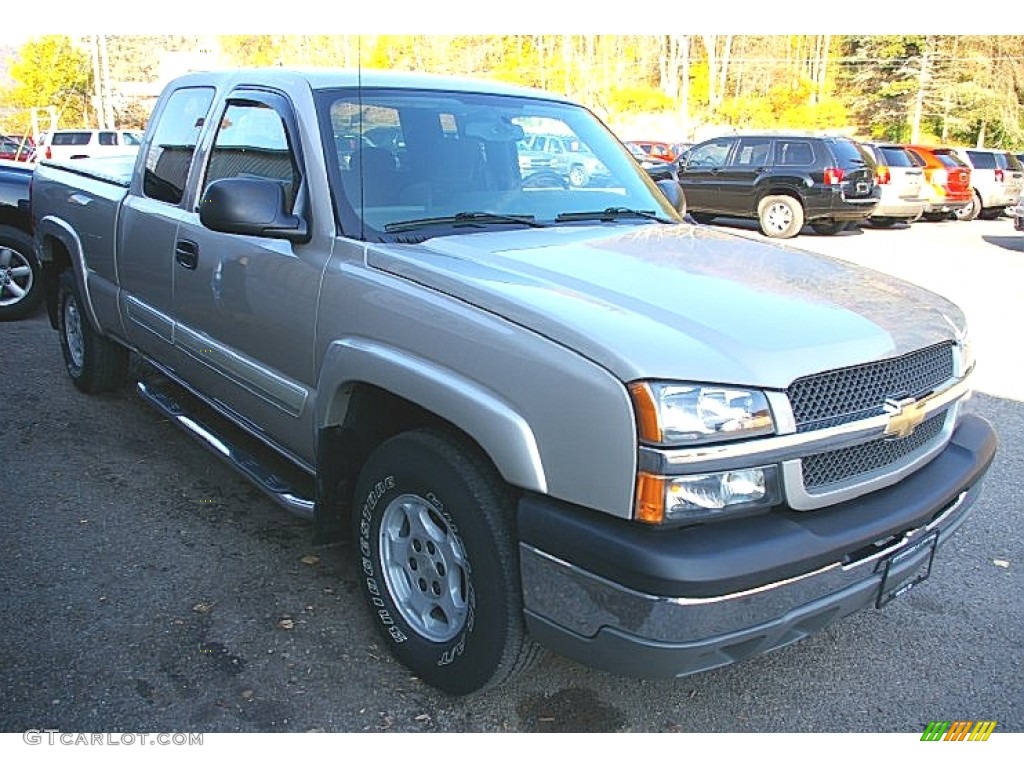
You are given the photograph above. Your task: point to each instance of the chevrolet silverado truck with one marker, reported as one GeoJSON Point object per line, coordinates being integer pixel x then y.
{"type": "Point", "coordinates": [21, 289]}
{"type": "Point", "coordinates": [544, 417]}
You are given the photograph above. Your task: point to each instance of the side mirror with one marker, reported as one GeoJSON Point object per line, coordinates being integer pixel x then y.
{"type": "Point", "coordinates": [674, 193]}
{"type": "Point", "coordinates": [246, 206]}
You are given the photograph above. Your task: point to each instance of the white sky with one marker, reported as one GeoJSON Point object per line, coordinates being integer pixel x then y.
{"type": "Point", "coordinates": [520, 16]}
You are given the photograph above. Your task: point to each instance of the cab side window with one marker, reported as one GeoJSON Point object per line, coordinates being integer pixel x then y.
{"type": "Point", "coordinates": [252, 141]}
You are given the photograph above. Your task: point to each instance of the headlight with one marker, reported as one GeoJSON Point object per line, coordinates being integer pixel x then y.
{"type": "Point", "coordinates": [694, 498]}
{"type": "Point", "coordinates": [679, 414]}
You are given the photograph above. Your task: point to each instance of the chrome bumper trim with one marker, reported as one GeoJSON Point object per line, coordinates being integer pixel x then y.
{"type": "Point", "coordinates": [583, 604]}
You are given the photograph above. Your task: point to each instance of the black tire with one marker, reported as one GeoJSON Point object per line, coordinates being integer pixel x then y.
{"type": "Point", "coordinates": [21, 280]}
{"type": "Point", "coordinates": [936, 216]}
{"type": "Point", "coordinates": [94, 363]}
{"type": "Point", "coordinates": [702, 218]}
{"type": "Point", "coordinates": [780, 216]}
{"type": "Point", "coordinates": [970, 211]}
{"type": "Point", "coordinates": [882, 222]}
{"type": "Point", "coordinates": [990, 214]}
{"type": "Point", "coordinates": [828, 226]}
{"type": "Point", "coordinates": [439, 563]}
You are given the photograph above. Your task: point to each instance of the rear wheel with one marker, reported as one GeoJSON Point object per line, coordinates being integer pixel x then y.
{"type": "Point", "coordinates": [439, 562]}
{"type": "Point", "coordinates": [94, 363]}
{"type": "Point", "coordinates": [21, 284]}
{"type": "Point", "coordinates": [882, 222]}
{"type": "Point", "coordinates": [780, 216]}
{"type": "Point", "coordinates": [970, 211]}
{"type": "Point", "coordinates": [828, 226]}
{"type": "Point", "coordinates": [990, 213]}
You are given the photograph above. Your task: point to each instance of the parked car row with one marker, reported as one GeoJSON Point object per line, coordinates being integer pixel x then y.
{"type": "Point", "coordinates": [785, 181]}
{"type": "Point", "coordinates": [70, 145]}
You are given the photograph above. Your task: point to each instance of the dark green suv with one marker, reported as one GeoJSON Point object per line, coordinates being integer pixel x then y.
{"type": "Point", "coordinates": [782, 180]}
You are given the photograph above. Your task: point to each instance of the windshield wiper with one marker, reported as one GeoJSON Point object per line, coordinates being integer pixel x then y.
{"type": "Point", "coordinates": [465, 219]}
{"type": "Point", "coordinates": [611, 214]}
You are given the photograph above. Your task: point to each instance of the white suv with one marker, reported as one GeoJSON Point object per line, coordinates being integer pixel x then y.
{"type": "Point", "coordinates": [996, 176]}
{"type": "Point", "coordinates": [75, 144]}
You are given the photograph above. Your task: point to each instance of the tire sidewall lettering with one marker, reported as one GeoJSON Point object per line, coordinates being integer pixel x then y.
{"type": "Point", "coordinates": [379, 598]}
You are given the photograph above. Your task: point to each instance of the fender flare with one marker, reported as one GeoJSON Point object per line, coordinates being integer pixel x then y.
{"type": "Point", "coordinates": [59, 230]}
{"type": "Point", "coordinates": [503, 433]}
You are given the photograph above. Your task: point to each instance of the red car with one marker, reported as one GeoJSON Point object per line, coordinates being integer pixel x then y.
{"type": "Point", "coordinates": [659, 149]}
{"type": "Point", "coordinates": [16, 148]}
{"type": "Point", "coordinates": [947, 181]}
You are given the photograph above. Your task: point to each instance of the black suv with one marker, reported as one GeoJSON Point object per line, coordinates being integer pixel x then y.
{"type": "Point", "coordinates": [782, 180]}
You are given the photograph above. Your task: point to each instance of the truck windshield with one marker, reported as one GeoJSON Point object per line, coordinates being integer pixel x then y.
{"type": "Point", "coordinates": [410, 164]}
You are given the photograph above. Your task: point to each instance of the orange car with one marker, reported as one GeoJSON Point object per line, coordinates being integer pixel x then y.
{"type": "Point", "coordinates": [947, 180]}
{"type": "Point", "coordinates": [659, 149]}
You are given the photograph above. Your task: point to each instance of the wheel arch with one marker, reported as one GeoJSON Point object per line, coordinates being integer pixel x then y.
{"type": "Point", "coordinates": [371, 392]}
{"type": "Point", "coordinates": [59, 249]}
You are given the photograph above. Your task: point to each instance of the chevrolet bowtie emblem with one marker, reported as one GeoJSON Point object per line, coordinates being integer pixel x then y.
{"type": "Point", "coordinates": [904, 416]}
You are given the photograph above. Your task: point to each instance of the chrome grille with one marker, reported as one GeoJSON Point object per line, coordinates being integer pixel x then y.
{"type": "Point", "coordinates": [825, 469]}
{"type": "Point", "coordinates": [847, 394]}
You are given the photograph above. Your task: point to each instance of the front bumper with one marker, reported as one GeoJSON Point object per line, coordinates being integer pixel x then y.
{"type": "Point", "coordinates": [666, 603]}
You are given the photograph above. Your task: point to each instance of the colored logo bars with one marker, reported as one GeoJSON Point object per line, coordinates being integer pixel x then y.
{"type": "Point", "coordinates": [958, 730]}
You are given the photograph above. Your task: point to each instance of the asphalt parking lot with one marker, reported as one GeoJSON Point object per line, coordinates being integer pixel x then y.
{"type": "Point", "coordinates": [147, 588]}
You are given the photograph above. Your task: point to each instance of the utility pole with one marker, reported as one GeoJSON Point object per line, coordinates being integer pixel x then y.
{"type": "Point", "coordinates": [108, 101]}
{"type": "Point", "coordinates": [97, 82]}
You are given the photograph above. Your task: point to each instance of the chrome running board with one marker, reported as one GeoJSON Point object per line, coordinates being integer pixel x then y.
{"type": "Point", "coordinates": [265, 479]}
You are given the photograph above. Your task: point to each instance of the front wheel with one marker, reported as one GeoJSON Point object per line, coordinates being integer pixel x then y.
{"type": "Point", "coordinates": [780, 216]}
{"type": "Point", "coordinates": [439, 563]}
{"type": "Point", "coordinates": [21, 284]}
{"type": "Point", "coordinates": [94, 363]}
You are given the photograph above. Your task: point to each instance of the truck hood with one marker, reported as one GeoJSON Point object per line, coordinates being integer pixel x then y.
{"type": "Point", "coordinates": [681, 302]}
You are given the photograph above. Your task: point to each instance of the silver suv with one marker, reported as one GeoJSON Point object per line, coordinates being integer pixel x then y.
{"type": "Point", "coordinates": [900, 178]}
{"type": "Point", "coordinates": [996, 176]}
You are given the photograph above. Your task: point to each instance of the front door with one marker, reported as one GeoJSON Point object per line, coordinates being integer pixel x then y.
{"type": "Point", "coordinates": [246, 306]}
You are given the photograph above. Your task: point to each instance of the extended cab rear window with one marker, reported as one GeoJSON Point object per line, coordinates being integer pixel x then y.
{"type": "Point", "coordinates": [174, 142]}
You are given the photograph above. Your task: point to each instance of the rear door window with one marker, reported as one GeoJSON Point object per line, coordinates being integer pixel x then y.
{"type": "Point", "coordinates": [752, 152]}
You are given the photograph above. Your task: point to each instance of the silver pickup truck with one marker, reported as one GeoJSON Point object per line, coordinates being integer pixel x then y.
{"type": "Point", "coordinates": [544, 415]}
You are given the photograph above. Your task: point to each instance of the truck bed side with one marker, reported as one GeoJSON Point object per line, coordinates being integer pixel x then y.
{"type": "Point", "coordinates": [83, 201]}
